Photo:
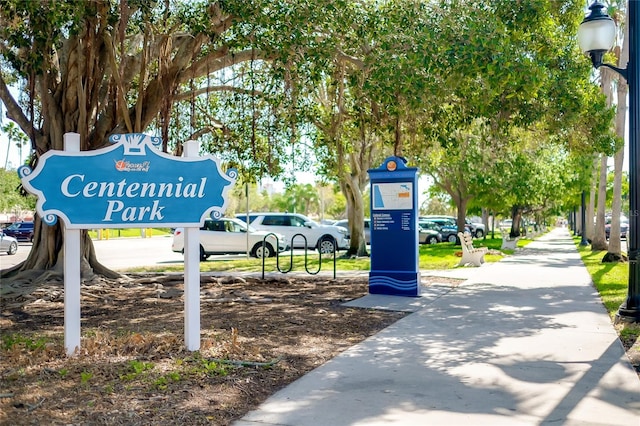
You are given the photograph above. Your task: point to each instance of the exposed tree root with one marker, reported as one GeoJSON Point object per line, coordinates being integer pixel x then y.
{"type": "Point", "coordinates": [614, 258]}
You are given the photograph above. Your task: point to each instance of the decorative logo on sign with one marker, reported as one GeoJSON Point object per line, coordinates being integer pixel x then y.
{"type": "Point", "coordinates": [129, 184]}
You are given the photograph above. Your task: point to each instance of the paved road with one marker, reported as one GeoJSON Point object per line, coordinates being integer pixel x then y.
{"type": "Point", "coordinates": [7, 261]}
{"type": "Point", "coordinates": [118, 253]}
{"type": "Point", "coordinates": [122, 253]}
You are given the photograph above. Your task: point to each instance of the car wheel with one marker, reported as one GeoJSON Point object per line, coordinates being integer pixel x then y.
{"type": "Point", "coordinates": [203, 256]}
{"type": "Point", "coordinates": [261, 251]}
{"type": "Point", "coordinates": [326, 245]}
{"type": "Point", "coordinates": [452, 238]}
{"type": "Point", "coordinates": [479, 233]}
{"type": "Point", "coordinates": [432, 240]}
{"type": "Point", "coordinates": [13, 248]}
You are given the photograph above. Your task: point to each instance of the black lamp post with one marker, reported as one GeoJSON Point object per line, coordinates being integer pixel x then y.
{"type": "Point", "coordinates": [596, 36]}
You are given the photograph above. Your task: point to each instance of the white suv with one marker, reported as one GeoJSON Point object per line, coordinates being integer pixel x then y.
{"type": "Point", "coordinates": [320, 237]}
{"type": "Point", "coordinates": [229, 236]}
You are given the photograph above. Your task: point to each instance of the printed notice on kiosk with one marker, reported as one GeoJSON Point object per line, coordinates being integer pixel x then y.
{"type": "Point", "coordinates": [392, 196]}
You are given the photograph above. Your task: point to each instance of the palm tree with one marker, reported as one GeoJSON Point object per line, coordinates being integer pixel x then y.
{"type": "Point", "coordinates": [14, 134]}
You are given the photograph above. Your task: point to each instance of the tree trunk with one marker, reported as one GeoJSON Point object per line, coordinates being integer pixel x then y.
{"type": "Point", "coordinates": [599, 241]}
{"type": "Point", "coordinates": [355, 215]}
{"type": "Point", "coordinates": [461, 204]}
{"type": "Point", "coordinates": [485, 221]}
{"type": "Point", "coordinates": [45, 262]}
{"type": "Point", "coordinates": [516, 219]}
{"type": "Point", "coordinates": [615, 250]}
{"type": "Point", "coordinates": [591, 230]}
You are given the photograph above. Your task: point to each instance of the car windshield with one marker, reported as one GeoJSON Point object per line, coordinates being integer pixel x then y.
{"type": "Point", "coordinates": [242, 225]}
{"type": "Point", "coordinates": [14, 226]}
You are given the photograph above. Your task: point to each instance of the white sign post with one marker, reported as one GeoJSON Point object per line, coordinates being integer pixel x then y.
{"type": "Point", "coordinates": [192, 273]}
{"type": "Point", "coordinates": [71, 271]}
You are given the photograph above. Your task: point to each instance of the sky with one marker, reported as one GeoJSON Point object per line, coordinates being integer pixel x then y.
{"type": "Point", "coordinates": [13, 160]}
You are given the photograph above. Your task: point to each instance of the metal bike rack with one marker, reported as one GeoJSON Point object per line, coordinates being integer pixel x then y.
{"type": "Point", "coordinates": [306, 250]}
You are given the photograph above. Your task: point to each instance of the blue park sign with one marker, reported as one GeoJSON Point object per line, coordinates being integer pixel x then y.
{"type": "Point", "coordinates": [394, 229]}
{"type": "Point", "coordinates": [129, 184]}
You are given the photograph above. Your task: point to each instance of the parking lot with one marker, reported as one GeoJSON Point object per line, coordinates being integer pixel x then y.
{"type": "Point", "coordinates": [123, 253]}
{"type": "Point", "coordinates": [117, 253]}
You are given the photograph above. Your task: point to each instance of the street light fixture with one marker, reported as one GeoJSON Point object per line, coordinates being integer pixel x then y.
{"type": "Point", "coordinates": [596, 36]}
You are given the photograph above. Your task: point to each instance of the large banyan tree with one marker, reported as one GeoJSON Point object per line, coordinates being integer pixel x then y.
{"type": "Point", "coordinates": [101, 67]}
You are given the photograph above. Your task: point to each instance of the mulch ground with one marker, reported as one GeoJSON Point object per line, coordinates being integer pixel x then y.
{"type": "Point", "coordinates": [256, 337]}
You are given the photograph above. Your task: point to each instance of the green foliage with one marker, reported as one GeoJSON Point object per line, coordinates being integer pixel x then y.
{"type": "Point", "coordinates": [85, 376]}
{"type": "Point", "coordinates": [199, 365]}
{"type": "Point", "coordinates": [317, 201]}
{"type": "Point", "coordinates": [298, 198]}
{"type": "Point", "coordinates": [490, 98]}
{"type": "Point", "coordinates": [213, 368]}
{"type": "Point", "coordinates": [337, 206]}
{"type": "Point", "coordinates": [162, 382]}
{"type": "Point", "coordinates": [10, 341]}
{"type": "Point", "coordinates": [624, 191]}
{"type": "Point", "coordinates": [135, 369]}
{"type": "Point", "coordinates": [105, 234]}
{"type": "Point", "coordinates": [514, 87]}
{"type": "Point", "coordinates": [10, 198]}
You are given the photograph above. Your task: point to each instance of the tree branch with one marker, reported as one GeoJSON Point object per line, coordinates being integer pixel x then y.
{"type": "Point", "coordinates": [14, 112]}
{"type": "Point", "coordinates": [343, 57]}
{"type": "Point", "coordinates": [224, 88]}
{"type": "Point", "coordinates": [108, 42]}
{"type": "Point", "coordinates": [207, 129]}
{"type": "Point", "coordinates": [221, 59]}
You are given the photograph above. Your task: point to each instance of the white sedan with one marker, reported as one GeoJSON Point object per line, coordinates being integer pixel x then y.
{"type": "Point", "coordinates": [232, 236]}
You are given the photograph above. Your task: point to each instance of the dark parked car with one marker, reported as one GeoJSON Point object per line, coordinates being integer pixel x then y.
{"type": "Point", "coordinates": [475, 229]}
{"type": "Point", "coordinates": [21, 231]}
{"type": "Point", "coordinates": [448, 227]}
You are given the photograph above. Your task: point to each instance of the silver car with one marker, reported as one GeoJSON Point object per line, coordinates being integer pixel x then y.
{"type": "Point", "coordinates": [8, 244]}
{"type": "Point", "coordinates": [367, 228]}
{"type": "Point", "coordinates": [300, 231]}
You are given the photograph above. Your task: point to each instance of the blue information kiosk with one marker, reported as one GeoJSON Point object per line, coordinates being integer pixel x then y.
{"type": "Point", "coordinates": [394, 229]}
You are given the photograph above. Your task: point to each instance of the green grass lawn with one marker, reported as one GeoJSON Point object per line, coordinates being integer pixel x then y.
{"type": "Point", "coordinates": [610, 279]}
{"type": "Point", "coordinates": [105, 234]}
{"type": "Point", "coordinates": [436, 256]}
{"type": "Point", "coordinates": [612, 282]}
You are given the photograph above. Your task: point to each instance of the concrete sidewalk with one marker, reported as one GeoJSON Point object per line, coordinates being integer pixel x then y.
{"type": "Point", "coordinates": [525, 341]}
